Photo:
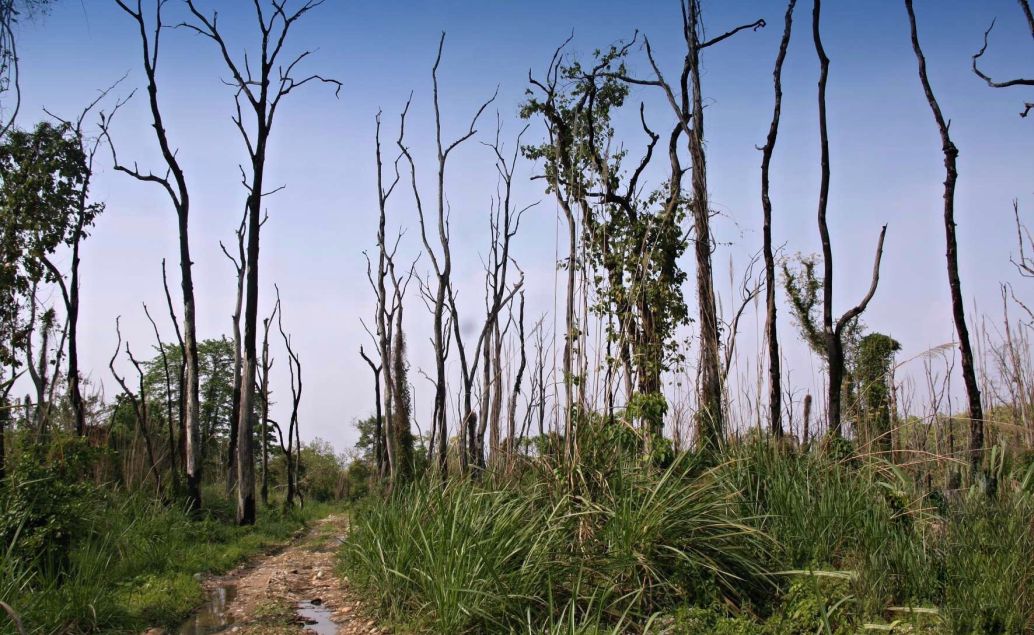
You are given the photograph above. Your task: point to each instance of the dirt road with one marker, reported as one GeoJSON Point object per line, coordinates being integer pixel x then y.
{"type": "Point", "coordinates": [285, 592]}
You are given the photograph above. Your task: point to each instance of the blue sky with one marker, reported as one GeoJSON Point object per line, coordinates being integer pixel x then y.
{"type": "Point", "coordinates": [886, 161]}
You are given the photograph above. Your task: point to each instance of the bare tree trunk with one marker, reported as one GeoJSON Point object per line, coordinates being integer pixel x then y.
{"type": "Point", "coordinates": [267, 364]}
{"type": "Point", "coordinates": [771, 330]}
{"type": "Point", "coordinates": [239, 267]}
{"type": "Point", "coordinates": [379, 422]}
{"type": "Point", "coordinates": [442, 264]}
{"type": "Point", "coordinates": [951, 153]}
{"type": "Point", "coordinates": [139, 403]}
{"type": "Point", "coordinates": [263, 95]}
{"type": "Point", "coordinates": [710, 417]}
{"type": "Point", "coordinates": [178, 194]}
{"type": "Point", "coordinates": [833, 331]}
{"type": "Point", "coordinates": [168, 401]}
{"type": "Point", "coordinates": [294, 366]}
{"type": "Point", "coordinates": [512, 444]}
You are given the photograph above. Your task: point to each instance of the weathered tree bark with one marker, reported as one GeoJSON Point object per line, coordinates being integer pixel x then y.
{"type": "Point", "coordinates": [771, 330]}
{"type": "Point", "coordinates": [687, 105]}
{"type": "Point", "coordinates": [263, 95]}
{"type": "Point", "coordinates": [176, 189]}
{"type": "Point", "coordinates": [951, 153]}
{"type": "Point", "coordinates": [710, 419]}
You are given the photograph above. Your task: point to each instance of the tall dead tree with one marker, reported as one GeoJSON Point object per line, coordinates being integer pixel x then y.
{"type": "Point", "coordinates": [264, 368]}
{"type": "Point", "coordinates": [181, 402]}
{"type": "Point", "coordinates": [293, 448]}
{"type": "Point", "coordinates": [388, 304]}
{"type": "Point", "coordinates": [174, 184]}
{"type": "Point", "coordinates": [85, 214]}
{"type": "Point", "coordinates": [951, 175]}
{"type": "Point", "coordinates": [1018, 81]}
{"type": "Point", "coordinates": [771, 329]}
{"type": "Point", "coordinates": [262, 91]}
{"type": "Point", "coordinates": [504, 222]}
{"type": "Point", "coordinates": [512, 443]}
{"type": "Point", "coordinates": [240, 269]}
{"type": "Point", "coordinates": [168, 400]}
{"type": "Point", "coordinates": [442, 265]}
{"type": "Point", "coordinates": [832, 332]}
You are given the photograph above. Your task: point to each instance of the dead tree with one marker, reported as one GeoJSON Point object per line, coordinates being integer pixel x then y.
{"type": "Point", "coordinates": [832, 332]}
{"type": "Point", "coordinates": [387, 306]}
{"type": "Point", "coordinates": [181, 402]}
{"type": "Point", "coordinates": [504, 222]}
{"type": "Point", "coordinates": [138, 401]}
{"type": "Point", "coordinates": [1019, 81]}
{"type": "Point", "coordinates": [771, 330]}
{"type": "Point", "coordinates": [173, 182]}
{"type": "Point", "coordinates": [951, 153]}
{"type": "Point", "coordinates": [85, 214]}
{"type": "Point", "coordinates": [378, 431]}
{"type": "Point", "coordinates": [293, 449]}
{"type": "Point", "coordinates": [262, 92]}
{"type": "Point", "coordinates": [512, 444]}
{"type": "Point", "coordinates": [265, 367]}
{"type": "Point", "coordinates": [239, 267]}
{"type": "Point", "coordinates": [168, 399]}
{"type": "Point", "coordinates": [442, 265]}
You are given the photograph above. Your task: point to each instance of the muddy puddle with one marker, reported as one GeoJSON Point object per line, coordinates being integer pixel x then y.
{"type": "Point", "coordinates": [213, 617]}
{"type": "Point", "coordinates": [315, 617]}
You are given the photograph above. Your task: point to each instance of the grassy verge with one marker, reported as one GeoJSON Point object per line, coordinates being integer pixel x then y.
{"type": "Point", "coordinates": [135, 563]}
{"type": "Point", "coordinates": [767, 542]}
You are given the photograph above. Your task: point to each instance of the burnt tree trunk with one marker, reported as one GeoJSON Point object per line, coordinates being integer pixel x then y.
{"type": "Point", "coordinates": [951, 153]}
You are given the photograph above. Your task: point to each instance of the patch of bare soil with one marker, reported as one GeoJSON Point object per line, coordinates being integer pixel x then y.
{"type": "Point", "coordinates": [295, 589]}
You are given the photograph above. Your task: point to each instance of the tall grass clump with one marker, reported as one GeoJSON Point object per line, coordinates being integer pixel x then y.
{"type": "Point", "coordinates": [456, 558]}
{"type": "Point", "coordinates": [961, 558]}
{"type": "Point", "coordinates": [608, 545]}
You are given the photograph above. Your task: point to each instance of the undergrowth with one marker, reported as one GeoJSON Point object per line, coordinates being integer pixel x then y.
{"type": "Point", "coordinates": [770, 540]}
{"type": "Point", "coordinates": [126, 561]}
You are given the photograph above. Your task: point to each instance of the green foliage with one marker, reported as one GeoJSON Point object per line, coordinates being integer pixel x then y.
{"type": "Point", "coordinates": [81, 558]}
{"type": "Point", "coordinates": [45, 505]}
{"type": "Point", "coordinates": [632, 242]}
{"type": "Point", "coordinates": [323, 472]}
{"type": "Point", "coordinates": [43, 181]}
{"type": "Point", "coordinates": [872, 378]}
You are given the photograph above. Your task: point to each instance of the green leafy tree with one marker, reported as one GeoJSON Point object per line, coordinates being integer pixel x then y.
{"type": "Point", "coordinates": [42, 173]}
{"type": "Point", "coordinates": [632, 243]}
